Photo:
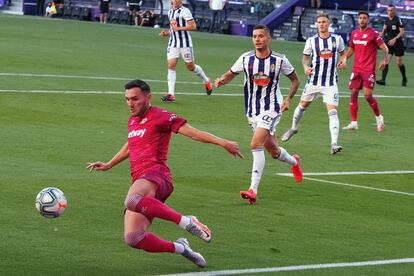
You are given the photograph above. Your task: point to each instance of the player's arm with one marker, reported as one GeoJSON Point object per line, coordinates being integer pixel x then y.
{"type": "Point", "coordinates": [122, 154]}
{"type": "Point", "coordinates": [384, 28]}
{"type": "Point", "coordinates": [342, 62]}
{"type": "Point", "coordinates": [349, 53]}
{"type": "Point", "coordinates": [205, 137]}
{"type": "Point", "coordinates": [190, 26]}
{"type": "Point", "coordinates": [225, 78]}
{"type": "Point", "coordinates": [294, 85]}
{"type": "Point", "coordinates": [385, 57]}
{"type": "Point", "coordinates": [306, 68]}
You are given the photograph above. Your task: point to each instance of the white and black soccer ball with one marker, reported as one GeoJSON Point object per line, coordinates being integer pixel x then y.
{"type": "Point", "coordinates": [51, 202]}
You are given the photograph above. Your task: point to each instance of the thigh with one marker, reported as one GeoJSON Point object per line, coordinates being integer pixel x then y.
{"type": "Point", "coordinates": [135, 221]}
{"type": "Point", "coordinates": [399, 48]}
{"type": "Point", "coordinates": [187, 54]}
{"type": "Point", "coordinates": [331, 95]}
{"type": "Point", "coordinates": [310, 93]}
{"type": "Point", "coordinates": [355, 81]}
{"type": "Point", "coordinates": [368, 80]}
{"type": "Point", "coordinates": [143, 187]}
{"type": "Point", "coordinates": [267, 120]}
{"type": "Point", "coordinates": [173, 54]}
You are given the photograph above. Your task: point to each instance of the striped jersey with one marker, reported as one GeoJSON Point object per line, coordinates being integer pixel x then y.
{"type": "Point", "coordinates": [324, 56]}
{"type": "Point", "coordinates": [261, 83]}
{"type": "Point", "coordinates": [180, 39]}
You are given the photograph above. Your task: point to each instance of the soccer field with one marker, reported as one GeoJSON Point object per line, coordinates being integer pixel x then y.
{"type": "Point", "coordinates": [62, 105]}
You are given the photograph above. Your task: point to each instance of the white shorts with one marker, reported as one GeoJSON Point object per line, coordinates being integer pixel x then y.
{"type": "Point", "coordinates": [267, 120]}
{"type": "Point", "coordinates": [186, 53]}
{"type": "Point", "coordinates": [329, 94]}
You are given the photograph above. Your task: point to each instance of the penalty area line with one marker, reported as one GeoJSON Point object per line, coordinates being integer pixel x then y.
{"type": "Point", "coordinates": [296, 267]}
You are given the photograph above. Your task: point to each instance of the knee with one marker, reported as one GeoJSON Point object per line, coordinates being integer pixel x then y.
{"type": "Point", "coordinates": [255, 145]}
{"type": "Point", "coordinates": [132, 201]}
{"type": "Point", "coordinates": [368, 98]}
{"type": "Point", "coordinates": [274, 152]}
{"type": "Point", "coordinates": [132, 239]}
{"type": "Point", "coordinates": [332, 112]}
{"type": "Point", "coordinates": [190, 66]}
{"type": "Point", "coordinates": [171, 66]}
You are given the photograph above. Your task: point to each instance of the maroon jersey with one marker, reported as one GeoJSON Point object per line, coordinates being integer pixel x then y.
{"type": "Point", "coordinates": [365, 45]}
{"type": "Point", "coordinates": [149, 138]}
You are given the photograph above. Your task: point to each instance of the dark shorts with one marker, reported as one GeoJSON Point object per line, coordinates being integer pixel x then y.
{"type": "Point", "coordinates": [359, 80]}
{"type": "Point", "coordinates": [160, 176]}
{"type": "Point", "coordinates": [134, 8]}
{"type": "Point", "coordinates": [397, 49]}
{"type": "Point", "coordinates": [104, 7]}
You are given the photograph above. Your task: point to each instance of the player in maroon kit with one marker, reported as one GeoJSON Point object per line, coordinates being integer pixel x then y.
{"type": "Point", "coordinates": [149, 133]}
{"type": "Point", "coordinates": [364, 42]}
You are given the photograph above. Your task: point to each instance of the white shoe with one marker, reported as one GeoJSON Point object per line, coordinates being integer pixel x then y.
{"type": "Point", "coordinates": [335, 148]}
{"type": "Point", "coordinates": [352, 126]}
{"type": "Point", "coordinates": [198, 229]}
{"type": "Point", "coordinates": [191, 255]}
{"type": "Point", "coordinates": [380, 123]}
{"type": "Point", "coordinates": [288, 134]}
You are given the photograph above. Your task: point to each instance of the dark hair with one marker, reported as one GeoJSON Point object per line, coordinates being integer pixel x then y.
{"type": "Point", "coordinates": [323, 15]}
{"type": "Point", "coordinates": [138, 84]}
{"type": "Point", "coordinates": [363, 12]}
{"type": "Point", "coordinates": [262, 27]}
{"type": "Point", "coordinates": [391, 6]}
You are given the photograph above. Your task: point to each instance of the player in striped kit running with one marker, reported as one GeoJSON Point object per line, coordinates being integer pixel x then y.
{"type": "Point", "coordinates": [180, 43]}
{"type": "Point", "coordinates": [324, 49]}
{"type": "Point", "coordinates": [264, 103]}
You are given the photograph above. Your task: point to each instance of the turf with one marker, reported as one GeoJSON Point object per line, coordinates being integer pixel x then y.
{"type": "Point", "coordinates": [48, 137]}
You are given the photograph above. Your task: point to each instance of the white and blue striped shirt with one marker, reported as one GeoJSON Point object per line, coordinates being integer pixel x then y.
{"type": "Point", "coordinates": [324, 54]}
{"type": "Point", "coordinates": [261, 83]}
{"type": "Point", "coordinates": [180, 39]}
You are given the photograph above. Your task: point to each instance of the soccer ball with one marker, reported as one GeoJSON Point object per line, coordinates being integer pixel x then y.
{"type": "Point", "coordinates": [50, 202]}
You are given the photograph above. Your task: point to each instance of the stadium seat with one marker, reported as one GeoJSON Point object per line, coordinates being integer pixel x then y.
{"type": "Point", "coordinates": [113, 16]}
{"type": "Point", "coordinates": [85, 14]}
{"type": "Point", "coordinates": [123, 17]}
{"type": "Point", "coordinates": [199, 22]}
{"type": "Point", "coordinates": [67, 11]}
{"type": "Point", "coordinates": [75, 13]}
{"type": "Point", "coordinates": [205, 26]}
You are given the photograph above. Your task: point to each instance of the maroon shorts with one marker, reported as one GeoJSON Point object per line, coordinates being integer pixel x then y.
{"type": "Point", "coordinates": [160, 176]}
{"type": "Point", "coordinates": [360, 79]}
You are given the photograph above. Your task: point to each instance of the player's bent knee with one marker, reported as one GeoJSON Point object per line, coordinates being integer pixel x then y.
{"type": "Point", "coordinates": [132, 201]}
{"type": "Point", "coordinates": [133, 238]}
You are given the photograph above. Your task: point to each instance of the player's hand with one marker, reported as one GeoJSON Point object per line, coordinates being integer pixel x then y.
{"type": "Point", "coordinates": [173, 25]}
{"type": "Point", "coordinates": [392, 42]}
{"type": "Point", "coordinates": [341, 64]}
{"type": "Point", "coordinates": [233, 148]}
{"type": "Point", "coordinates": [98, 166]}
{"type": "Point", "coordinates": [308, 70]}
{"type": "Point", "coordinates": [285, 105]}
{"type": "Point", "coordinates": [382, 64]}
{"type": "Point", "coordinates": [218, 83]}
{"type": "Point", "coordinates": [164, 33]}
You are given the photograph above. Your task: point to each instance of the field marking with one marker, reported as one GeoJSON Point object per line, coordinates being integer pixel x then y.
{"type": "Point", "coordinates": [353, 185]}
{"type": "Point", "coordinates": [345, 95]}
{"type": "Point", "coordinates": [296, 267]}
{"type": "Point", "coordinates": [149, 80]}
{"type": "Point", "coordinates": [348, 173]}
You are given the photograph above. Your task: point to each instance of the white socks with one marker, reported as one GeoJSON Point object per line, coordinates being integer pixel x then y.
{"type": "Point", "coordinates": [297, 115]}
{"type": "Point", "coordinates": [179, 248]}
{"type": "Point", "coordinates": [333, 125]}
{"type": "Point", "coordinates": [184, 222]}
{"type": "Point", "coordinates": [200, 73]}
{"type": "Point", "coordinates": [284, 156]}
{"type": "Point", "coordinates": [171, 77]}
{"type": "Point", "coordinates": [257, 170]}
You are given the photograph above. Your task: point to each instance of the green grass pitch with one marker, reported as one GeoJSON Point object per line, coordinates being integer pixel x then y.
{"type": "Point", "coordinates": [47, 137]}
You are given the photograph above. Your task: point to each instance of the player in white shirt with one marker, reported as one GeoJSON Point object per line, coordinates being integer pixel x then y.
{"type": "Point", "coordinates": [264, 103]}
{"type": "Point", "coordinates": [180, 43]}
{"type": "Point", "coordinates": [324, 49]}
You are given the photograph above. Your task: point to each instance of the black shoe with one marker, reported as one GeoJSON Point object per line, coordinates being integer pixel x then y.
{"type": "Point", "coordinates": [404, 82]}
{"type": "Point", "coordinates": [168, 98]}
{"type": "Point", "coordinates": [380, 82]}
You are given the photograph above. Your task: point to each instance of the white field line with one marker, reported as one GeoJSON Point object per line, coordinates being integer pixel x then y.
{"type": "Point", "coordinates": [296, 267]}
{"type": "Point", "coordinates": [85, 92]}
{"type": "Point", "coordinates": [353, 185]}
{"type": "Point", "coordinates": [149, 80]}
{"type": "Point", "coordinates": [348, 173]}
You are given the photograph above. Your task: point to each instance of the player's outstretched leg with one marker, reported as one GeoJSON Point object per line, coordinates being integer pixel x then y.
{"type": "Point", "coordinates": [200, 73]}
{"type": "Point", "coordinates": [196, 228]}
{"type": "Point", "coordinates": [191, 255]}
{"type": "Point", "coordinates": [380, 123]}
